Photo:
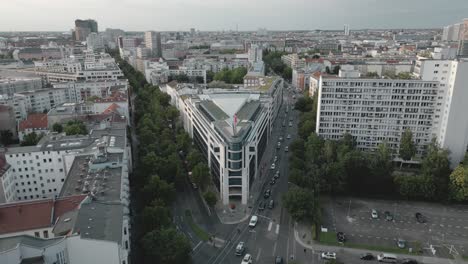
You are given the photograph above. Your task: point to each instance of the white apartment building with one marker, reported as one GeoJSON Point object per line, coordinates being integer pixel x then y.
{"type": "Point", "coordinates": [83, 90]}
{"type": "Point", "coordinates": [255, 54]}
{"type": "Point", "coordinates": [452, 127]}
{"type": "Point", "coordinates": [215, 65]}
{"type": "Point", "coordinates": [232, 129]}
{"type": "Point", "coordinates": [17, 85]}
{"type": "Point", "coordinates": [377, 110]}
{"type": "Point", "coordinates": [95, 42]}
{"type": "Point", "coordinates": [293, 61]}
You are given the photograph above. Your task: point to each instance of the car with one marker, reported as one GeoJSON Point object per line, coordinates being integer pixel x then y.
{"type": "Point", "coordinates": [290, 124]}
{"type": "Point", "coordinates": [280, 138]}
{"type": "Point", "coordinates": [194, 186]}
{"type": "Point", "coordinates": [240, 248]}
{"type": "Point", "coordinates": [275, 159]}
{"type": "Point", "coordinates": [328, 255]}
{"type": "Point", "coordinates": [388, 216]}
{"type": "Point", "coordinates": [278, 260]}
{"type": "Point", "coordinates": [253, 221]}
{"type": "Point", "coordinates": [278, 146]}
{"type": "Point", "coordinates": [341, 237]}
{"type": "Point", "coordinates": [374, 214]}
{"type": "Point", "coordinates": [294, 97]}
{"type": "Point", "coordinates": [290, 119]}
{"type": "Point", "coordinates": [277, 175]}
{"type": "Point", "coordinates": [367, 256]}
{"type": "Point", "coordinates": [267, 194]}
{"type": "Point", "coordinates": [271, 204]}
{"type": "Point", "coordinates": [273, 166]}
{"type": "Point", "coordinates": [288, 136]}
{"type": "Point", "coordinates": [420, 218]}
{"type": "Point", "coordinates": [401, 243]}
{"type": "Point", "coordinates": [286, 149]}
{"type": "Point", "coordinates": [261, 206]}
{"type": "Point", "coordinates": [273, 181]}
{"type": "Point", "coordinates": [284, 124]}
{"type": "Point", "coordinates": [409, 261]}
{"type": "Point", "coordinates": [247, 259]}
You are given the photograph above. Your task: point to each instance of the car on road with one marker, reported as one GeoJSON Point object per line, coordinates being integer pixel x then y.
{"type": "Point", "coordinates": [275, 159]}
{"type": "Point", "coordinates": [401, 243]}
{"type": "Point", "coordinates": [341, 237]}
{"type": "Point", "coordinates": [261, 206]}
{"type": "Point", "coordinates": [267, 194]}
{"type": "Point", "coordinates": [280, 138]}
{"type": "Point", "coordinates": [253, 221]}
{"type": "Point", "coordinates": [240, 248]}
{"type": "Point", "coordinates": [273, 166]}
{"type": "Point", "coordinates": [374, 214]}
{"type": "Point", "coordinates": [277, 175]}
{"type": "Point", "coordinates": [367, 256]}
{"type": "Point", "coordinates": [271, 204]}
{"type": "Point", "coordinates": [286, 149]}
{"type": "Point", "coordinates": [288, 136]}
{"type": "Point", "coordinates": [409, 261]}
{"type": "Point", "coordinates": [290, 119]}
{"type": "Point", "coordinates": [420, 218]}
{"type": "Point", "coordinates": [284, 124]}
{"type": "Point", "coordinates": [389, 258]}
{"type": "Point", "coordinates": [247, 259]}
{"type": "Point", "coordinates": [388, 216]}
{"type": "Point", "coordinates": [290, 124]}
{"type": "Point", "coordinates": [328, 255]}
{"type": "Point", "coordinates": [278, 260]}
{"type": "Point", "coordinates": [194, 186]}
{"type": "Point", "coordinates": [278, 146]}
{"type": "Point", "coordinates": [273, 181]}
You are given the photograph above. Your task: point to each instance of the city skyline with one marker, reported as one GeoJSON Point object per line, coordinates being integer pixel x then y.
{"type": "Point", "coordinates": [212, 15]}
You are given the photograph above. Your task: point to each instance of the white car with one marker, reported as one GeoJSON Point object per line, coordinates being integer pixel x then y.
{"type": "Point", "coordinates": [247, 259]}
{"type": "Point", "coordinates": [328, 255]}
{"type": "Point", "coordinates": [273, 166]}
{"type": "Point", "coordinates": [253, 221]}
{"type": "Point", "coordinates": [374, 214]}
{"type": "Point", "coordinates": [275, 159]}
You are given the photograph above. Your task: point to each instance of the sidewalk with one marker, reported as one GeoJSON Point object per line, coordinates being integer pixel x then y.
{"type": "Point", "coordinates": [302, 235]}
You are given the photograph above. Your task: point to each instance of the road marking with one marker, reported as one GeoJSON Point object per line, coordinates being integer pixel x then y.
{"type": "Point", "coordinates": [277, 229]}
{"type": "Point", "coordinates": [199, 243]}
{"type": "Point", "coordinates": [258, 254]}
{"type": "Point", "coordinates": [269, 226]}
{"type": "Point", "coordinates": [274, 249]}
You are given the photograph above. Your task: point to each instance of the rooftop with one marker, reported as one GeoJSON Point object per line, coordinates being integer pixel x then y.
{"type": "Point", "coordinates": [9, 243]}
{"type": "Point", "coordinates": [21, 216]}
{"type": "Point", "coordinates": [34, 121]}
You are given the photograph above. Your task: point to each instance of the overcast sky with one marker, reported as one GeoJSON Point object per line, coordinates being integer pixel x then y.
{"type": "Point", "coordinates": [163, 15]}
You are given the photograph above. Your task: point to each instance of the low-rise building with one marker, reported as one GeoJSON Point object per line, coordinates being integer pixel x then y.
{"type": "Point", "coordinates": [36, 122]}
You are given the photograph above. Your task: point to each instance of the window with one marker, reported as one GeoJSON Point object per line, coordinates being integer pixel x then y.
{"type": "Point", "coordinates": [46, 234]}
{"type": "Point", "coordinates": [36, 234]}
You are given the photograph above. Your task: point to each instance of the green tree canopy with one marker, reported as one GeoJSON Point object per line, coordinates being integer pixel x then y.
{"type": "Point", "coordinates": [57, 127]}
{"type": "Point", "coordinates": [31, 139]}
{"type": "Point", "coordinates": [407, 146]}
{"type": "Point", "coordinates": [166, 245]}
{"type": "Point", "coordinates": [301, 204]}
{"type": "Point", "coordinates": [459, 184]}
{"type": "Point", "coordinates": [211, 198]}
{"type": "Point", "coordinates": [201, 175]}
{"type": "Point", "coordinates": [6, 137]}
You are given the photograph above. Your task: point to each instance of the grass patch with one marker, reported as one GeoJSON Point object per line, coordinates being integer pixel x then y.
{"type": "Point", "coordinates": [202, 234]}
{"type": "Point", "coordinates": [314, 232]}
{"type": "Point", "coordinates": [329, 238]}
{"type": "Point", "coordinates": [465, 257]}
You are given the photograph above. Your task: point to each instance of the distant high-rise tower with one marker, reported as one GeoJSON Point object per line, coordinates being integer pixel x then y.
{"type": "Point", "coordinates": [84, 27]}
{"type": "Point", "coordinates": [463, 44]}
{"type": "Point", "coordinates": [255, 54]}
{"type": "Point", "coordinates": [153, 41]}
{"type": "Point", "coordinates": [346, 30]}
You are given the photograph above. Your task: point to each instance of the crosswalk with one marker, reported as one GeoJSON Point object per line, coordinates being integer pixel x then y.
{"type": "Point", "coordinates": [270, 227]}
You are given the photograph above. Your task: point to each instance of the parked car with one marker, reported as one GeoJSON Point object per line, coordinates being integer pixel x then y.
{"type": "Point", "coordinates": [420, 218]}
{"type": "Point", "coordinates": [367, 256]}
{"type": "Point", "coordinates": [290, 124]}
{"type": "Point", "coordinates": [288, 136]}
{"type": "Point", "coordinates": [267, 194]}
{"type": "Point", "coordinates": [271, 204]}
{"type": "Point", "coordinates": [286, 149]}
{"type": "Point", "coordinates": [273, 181]}
{"type": "Point", "coordinates": [247, 259]}
{"type": "Point", "coordinates": [374, 214]}
{"type": "Point", "coordinates": [275, 159]}
{"type": "Point", "coordinates": [261, 206]}
{"type": "Point", "coordinates": [280, 139]}
{"type": "Point", "coordinates": [253, 221]}
{"type": "Point", "coordinates": [277, 175]}
{"type": "Point", "coordinates": [328, 255]}
{"type": "Point", "coordinates": [273, 166]}
{"type": "Point", "coordinates": [341, 237]}
{"type": "Point", "coordinates": [278, 260]}
{"type": "Point", "coordinates": [278, 146]}
{"type": "Point", "coordinates": [194, 186]}
{"type": "Point", "coordinates": [240, 249]}
{"type": "Point", "coordinates": [401, 243]}
{"type": "Point", "coordinates": [388, 216]}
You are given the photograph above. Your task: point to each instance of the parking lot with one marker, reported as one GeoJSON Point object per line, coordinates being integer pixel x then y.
{"type": "Point", "coordinates": [446, 227]}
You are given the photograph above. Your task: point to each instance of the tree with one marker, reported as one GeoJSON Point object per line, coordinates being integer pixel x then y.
{"type": "Point", "coordinates": [301, 204]}
{"type": "Point", "coordinates": [194, 157]}
{"type": "Point", "coordinates": [416, 186]}
{"type": "Point", "coordinates": [31, 139]}
{"type": "Point", "coordinates": [381, 161]}
{"type": "Point", "coordinates": [201, 175]}
{"type": "Point", "coordinates": [287, 73]}
{"type": "Point", "coordinates": [436, 164]}
{"type": "Point", "coordinates": [407, 146]}
{"type": "Point", "coordinates": [166, 245]}
{"type": "Point", "coordinates": [156, 216]}
{"type": "Point", "coordinates": [156, 188]}
{"type": "Point", "coordinates": [6, 137]}
{"type": "Point", "coordinates": [57, 128]}
{"type": "Point", "coordinates": [458, 188]}
{"type": "Point", "coordinates": [75, 127]}
{"type": "Point", "coordinates": [211, 198]}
